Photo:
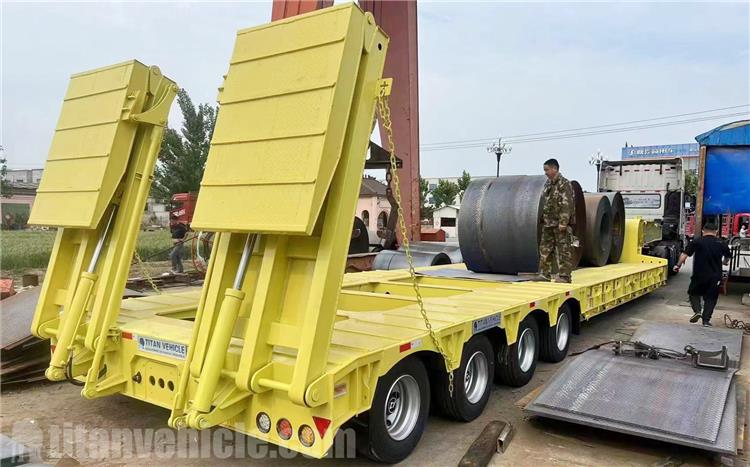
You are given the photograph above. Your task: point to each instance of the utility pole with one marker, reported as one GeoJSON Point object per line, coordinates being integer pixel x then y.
{"type": "Point", "coordinates": [499, 148]}
{"type": "Point", "coordinates": [596, 159]}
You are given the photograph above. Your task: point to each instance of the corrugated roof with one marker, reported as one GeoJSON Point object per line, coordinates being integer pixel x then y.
{"type": "Point", "coordinates": [371, 187]}
{"type": "Point", "coordinates": [730, 134]}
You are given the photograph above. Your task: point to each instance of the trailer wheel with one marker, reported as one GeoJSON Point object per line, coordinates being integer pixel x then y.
{"type": "Point", "coordinates": [472, 381]}
{"type": "Point", "coordinates": [516, 363]}
{"type": "Point", "coordinates": [398, 414]}
{"type": "Point", "coordinates": [555, 340]}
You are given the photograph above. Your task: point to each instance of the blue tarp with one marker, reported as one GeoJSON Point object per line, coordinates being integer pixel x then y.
{"type": "Point", "coordinates": [727, 180]}
{"type": "Point", "coordinates": [731, 134]}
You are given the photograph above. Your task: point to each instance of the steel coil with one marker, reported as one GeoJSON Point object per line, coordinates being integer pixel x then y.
{"type": "Point", "coordinates": [499, 225]}
{"type": "Point", "coordinates": [396, 259]}
{"type": "Point", "coordinates": [618, 225]}
{"type": "Point", "coordinates": [598, 238]}
{"type": "Point", "coordinates": [579, 228]}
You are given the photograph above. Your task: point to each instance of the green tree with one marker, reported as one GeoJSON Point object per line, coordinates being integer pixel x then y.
{"type": "Point", "coordinates": [183, 154]}
{"type": "Point", "coordinates": [445, 193]}
{"type": "Point", "coordinates": [425, 210]}
{"type": "Point", "coordinates": [463, 184]}
{"type": "Point", "coordinates": [691, 183]}
{"type": "Point", "coordinates": [5, 189]}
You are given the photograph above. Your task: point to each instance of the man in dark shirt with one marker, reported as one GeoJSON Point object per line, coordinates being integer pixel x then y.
{"type": "Point", "coordinates": [178, 251]}
{"type": "Point", "coordinates": [710, 253]}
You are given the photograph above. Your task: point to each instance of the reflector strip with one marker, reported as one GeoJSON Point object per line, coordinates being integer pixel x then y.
{"type": "Point", "coordinates": [410, 345]}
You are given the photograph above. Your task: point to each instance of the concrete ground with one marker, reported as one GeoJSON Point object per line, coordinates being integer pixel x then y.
{"type": "Point", "coordinates": [57, 423]}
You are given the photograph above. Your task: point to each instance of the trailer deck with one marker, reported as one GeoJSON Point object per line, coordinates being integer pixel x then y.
{"type": "Point", "coordinates": [377, 324]}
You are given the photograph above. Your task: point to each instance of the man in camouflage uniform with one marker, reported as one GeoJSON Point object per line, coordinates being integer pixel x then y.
{"type": "Point", "coordinates": [558, 214]}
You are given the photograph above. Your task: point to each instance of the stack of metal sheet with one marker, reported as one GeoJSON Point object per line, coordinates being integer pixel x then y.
{"type": "Point", "coordinates": [668, 400]}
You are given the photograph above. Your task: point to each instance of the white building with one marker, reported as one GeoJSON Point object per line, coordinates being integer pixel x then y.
{"type": "Point", "coordinates": [446, 218]}
{"type": "Point", "coordinates": [156, 214]}
{"type": "Point", "coordinates": [373, 206]}
{"type": "Point", "coordinates": [24, 175]}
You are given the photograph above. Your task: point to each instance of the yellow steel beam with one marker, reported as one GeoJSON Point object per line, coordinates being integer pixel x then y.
{"type": "Point", "coordinates": [94, 188]}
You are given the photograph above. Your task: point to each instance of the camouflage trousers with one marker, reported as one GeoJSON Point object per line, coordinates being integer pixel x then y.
{"type": "Point", "coordinates": [556, 252]}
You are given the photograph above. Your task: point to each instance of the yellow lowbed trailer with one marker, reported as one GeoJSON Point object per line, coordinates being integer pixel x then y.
{"type": "Point", "coordinates": [279, 343]}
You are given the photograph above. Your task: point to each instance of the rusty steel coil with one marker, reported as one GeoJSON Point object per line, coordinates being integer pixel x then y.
{"type": "Point", "coordinates": [618, 225]}
{"type": "Point", "coordinates": [598, 238]}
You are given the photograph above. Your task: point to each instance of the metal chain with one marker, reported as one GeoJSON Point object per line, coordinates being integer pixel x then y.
{"type": "Point", "coordinates": [736, 324]}
{"type": "Point", "coordinates": [385, 118]}
{"type": "Point", "coordinates": [145, 272]}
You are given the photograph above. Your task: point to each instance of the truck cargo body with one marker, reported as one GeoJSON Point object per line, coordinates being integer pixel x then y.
{"type": "Point", "coordinates": [652, 190]}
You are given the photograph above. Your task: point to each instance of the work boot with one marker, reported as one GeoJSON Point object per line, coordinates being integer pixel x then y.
{"type": "Point", "coordinates": [695, 318]}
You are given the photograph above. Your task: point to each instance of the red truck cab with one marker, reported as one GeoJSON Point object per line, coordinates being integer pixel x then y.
{"type": "Point", "coordinates": [181, 211]}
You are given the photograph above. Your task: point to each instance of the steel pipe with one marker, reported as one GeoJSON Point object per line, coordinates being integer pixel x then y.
{"type": "Point", "coordinates": [396, 259]}
{"type": "Point", "coordinates": [499, 225]}
{"type": "Point", "coordinates": [618, 225]}
{"type": "Point", "coordinates": [450, 249]}
{"type": "Point", "coordinates": [598, 238]}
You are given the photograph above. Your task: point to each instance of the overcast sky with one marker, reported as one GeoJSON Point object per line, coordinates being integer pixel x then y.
{"type": "Point", "coordinates": [485, 69]}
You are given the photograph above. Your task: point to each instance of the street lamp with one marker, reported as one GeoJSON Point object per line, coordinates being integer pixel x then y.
{"type": "Point", "coordinates": [596, 159]}
{"type": "Point", "coordinates": [499, 148]}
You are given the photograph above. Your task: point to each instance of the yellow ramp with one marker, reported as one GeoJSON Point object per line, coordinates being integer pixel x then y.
{"type": "Point", "coordinates": [91, 146]}
{"type": "Point", "coordinates": [279, 135]}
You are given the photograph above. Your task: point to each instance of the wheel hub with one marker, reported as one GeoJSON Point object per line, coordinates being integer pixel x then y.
{"type": "Point", "coordinates": [402, 407]}
{"type": "Point", "coordinates": [562, 331]}
{"type": "Point", "coordinates": [526, 350]}
{"type": "Point", "coordinates": [476, 377]}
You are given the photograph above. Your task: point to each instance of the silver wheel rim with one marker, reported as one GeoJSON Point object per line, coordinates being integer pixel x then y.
{"type": "Point", "coordinates": [562, 331]}
{"type": "Point", "coordinates": [526, 350]}
{"type": "Point", "coordinates": [476, 377]}
{"type": "Point", "coordinates": [402, 407]}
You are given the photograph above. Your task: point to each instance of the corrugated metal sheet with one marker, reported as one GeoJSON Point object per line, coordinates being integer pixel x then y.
{"type": "Point", "coordinates": [731, 134]}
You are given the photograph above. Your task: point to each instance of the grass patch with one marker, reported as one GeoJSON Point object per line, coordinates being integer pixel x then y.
{"type": "Point", "coordinates": [22, 249]}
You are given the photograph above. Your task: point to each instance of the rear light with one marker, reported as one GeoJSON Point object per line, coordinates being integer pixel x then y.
{"type": "Point", "coordinates": [284, 429]}
{"type": "Point", "coordinates": [306, 436]}
{"type": "Point", "coordinates": [264, 422]}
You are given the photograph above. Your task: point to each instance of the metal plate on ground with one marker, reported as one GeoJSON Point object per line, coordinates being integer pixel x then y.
{"type": "Point", "coordinates": [726, 441]}
{"type": "Point", "coordinates": [668, 397]}
{"type": "Point", "coordinates": [677, 336]}
{"type": "Point", "coordinates": [479, 276]}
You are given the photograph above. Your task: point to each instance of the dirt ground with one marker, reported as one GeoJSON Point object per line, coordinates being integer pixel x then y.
{"type": "Point", "coordinates": [56, 422]}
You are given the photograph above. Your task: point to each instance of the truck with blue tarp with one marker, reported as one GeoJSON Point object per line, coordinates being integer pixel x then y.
{"type": "Point", "coordinates": [724, 185]}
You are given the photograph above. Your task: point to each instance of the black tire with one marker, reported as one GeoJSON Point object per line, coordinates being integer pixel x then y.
{"type": "Point", "coordinates": [549, 348]}
{"type": "Point", "coordinates": [374, 440]}
{"type": "Point", "coordinates": [462, 406]}
{"type": "Point", "coordinates": [508, 369]}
